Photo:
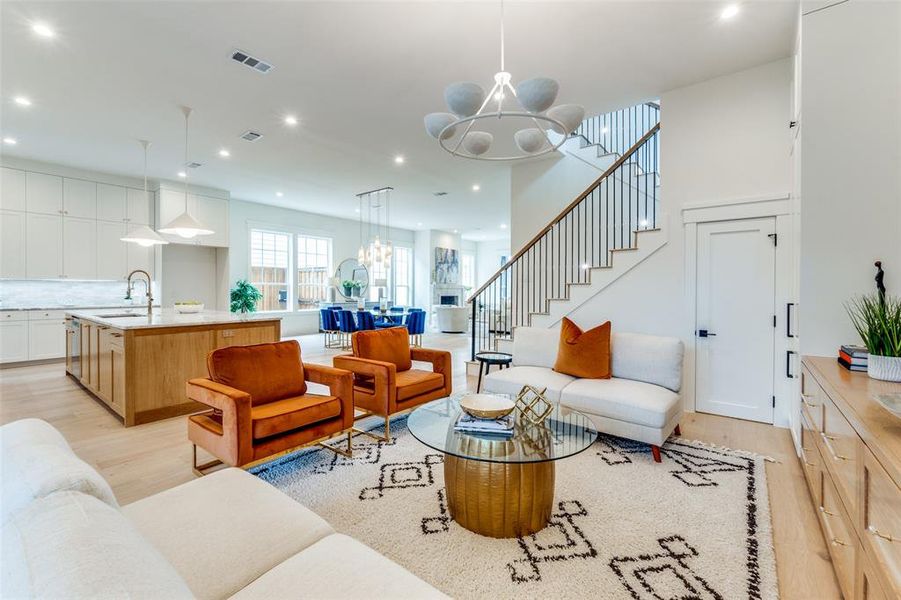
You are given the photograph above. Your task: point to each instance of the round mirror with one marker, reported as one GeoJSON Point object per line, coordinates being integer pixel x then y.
{"type": "Point", "coordinates": [353, 278]}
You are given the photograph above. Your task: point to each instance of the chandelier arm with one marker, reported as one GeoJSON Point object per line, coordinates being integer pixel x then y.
{"type": "Point", "coordinates": [469, 126]}
{"type": "Point", "coordinates": [502, 35]}
{"type": "Point", "coordinates": [515, 114]}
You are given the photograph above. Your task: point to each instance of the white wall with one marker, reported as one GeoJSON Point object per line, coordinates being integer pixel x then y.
{"type": "Point", "coordinates": [721, 140]}
{"type": "Point", "coordinates": [851, 163]}
{"type": "Point", "coordinates": [189, 273]}
{"type": "Point", "coordinates": [345, 243]}
{"type": "Point", "coordinates": [488, 258]}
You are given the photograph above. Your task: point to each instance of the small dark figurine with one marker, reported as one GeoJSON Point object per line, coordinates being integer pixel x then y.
{"type": "Point", "coordinates": [880, 276]}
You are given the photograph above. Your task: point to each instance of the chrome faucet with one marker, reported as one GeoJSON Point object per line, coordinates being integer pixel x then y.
{"type": "Point", "coordinates": [147, 285]}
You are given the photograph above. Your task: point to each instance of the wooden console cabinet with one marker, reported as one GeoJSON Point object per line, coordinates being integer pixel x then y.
{"type": "Point", "coordinates": [851, 457]}
{"type": "Point", "coordinates": [139, 370]}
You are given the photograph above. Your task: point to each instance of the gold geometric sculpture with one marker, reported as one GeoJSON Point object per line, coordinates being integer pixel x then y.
{"type": "Point", "coordinates": [532, 405]}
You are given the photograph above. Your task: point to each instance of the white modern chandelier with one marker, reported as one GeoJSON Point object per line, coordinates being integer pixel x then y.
{"type": "Point", "coordinates": [374, 249]}
{"type": "Point", "coordinates": [143, 235]}
{"type": "Point", "coordinates": [469, 104]}
{"type": "Point", "coordinates": [185, 225]}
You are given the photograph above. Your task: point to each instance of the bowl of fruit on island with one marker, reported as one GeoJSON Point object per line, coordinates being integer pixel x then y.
{"type": "Point", "coordinates": [189, 306]}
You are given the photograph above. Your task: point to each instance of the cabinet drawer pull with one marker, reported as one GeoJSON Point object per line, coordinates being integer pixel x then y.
{"type": "Point", "coordinates": [826, 512]}
{"type": "Point", "coordinates": [806, 403]}
{"type": "Point", "coordinates": [886, 536]}
{"type": "Point", "coordinates": [809, 464]}
{"type": "Point", "coordinates": [827, 440]}
{"type": "Point", "coordinates": [829, 535]}
{"type": "Point", "coordinates": [838, 542]}
{"type": "Point", "coordinates": [118, 335]}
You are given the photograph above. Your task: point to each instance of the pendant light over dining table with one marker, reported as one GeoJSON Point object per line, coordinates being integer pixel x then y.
{"type": "Point", "coordinates": [143, 235]}
{"type": "Point", "coordinates": [185, 225]}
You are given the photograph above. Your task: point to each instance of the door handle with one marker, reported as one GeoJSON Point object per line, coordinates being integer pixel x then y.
{"type": "Point", "coordinates": [788, 320]}
{"type": "Point", "coordinates": [704, 333]}
{"type": "Point", "coordinates": [788, 364]}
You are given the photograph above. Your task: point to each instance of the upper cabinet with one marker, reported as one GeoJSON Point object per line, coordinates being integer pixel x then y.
{"type": "Point", "coordinates": [43, 193]}
{"type": "Point", "coordinates": [12, 189]}
{"type": "Point", "coordinates": [211, 212]}
{"type": "Point", "coordinates": [139, 208]}
{"type": "Point", "coordinates": [79, 198]}
{"type": "Point", "coordinates": [111, 202]}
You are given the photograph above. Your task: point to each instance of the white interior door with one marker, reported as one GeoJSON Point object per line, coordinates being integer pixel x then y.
{"type": "Point", "coordinates": [735, 332]}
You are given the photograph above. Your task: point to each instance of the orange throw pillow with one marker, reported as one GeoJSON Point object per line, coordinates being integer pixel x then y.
{"type": "Point", "coordinates": [584, 354]}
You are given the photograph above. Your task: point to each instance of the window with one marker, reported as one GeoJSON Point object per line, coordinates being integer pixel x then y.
{"type": "Point", "coordinates": [285, 266]}
{"type": "Point", "coordinates": [269, 268]}
{"type": "Point", "coordinates": [403, 276]}
{"type": "Point", "coordinates": [313, 268]}
{"type": "Point", "coordinates": [468, 270]}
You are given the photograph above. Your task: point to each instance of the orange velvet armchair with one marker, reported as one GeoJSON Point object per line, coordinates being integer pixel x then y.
{"type": "Point", "coordinates": [385, 382]}
{"type": "Point", "coordinates": [260, 405]}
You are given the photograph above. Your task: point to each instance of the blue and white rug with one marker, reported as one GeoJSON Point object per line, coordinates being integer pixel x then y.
{"type": "Point", "coordinates": [695, 526]}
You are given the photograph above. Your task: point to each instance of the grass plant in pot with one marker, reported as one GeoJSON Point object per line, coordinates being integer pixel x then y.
{"type": "Point", "coordinates": [877, 320]}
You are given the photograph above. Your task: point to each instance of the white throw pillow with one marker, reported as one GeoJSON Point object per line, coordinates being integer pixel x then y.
{"type": "Point", "coordinates": [32, 471]}
{"type": "Point", "coordinates": [71, 545]}
{"type": "Point", "coordinates": [649, 358]}
{"type": "Point", "coordinates": [535, 347]}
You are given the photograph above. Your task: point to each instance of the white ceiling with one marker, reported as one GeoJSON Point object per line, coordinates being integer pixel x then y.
{"type": "Point", "coordinates": [360, 76]}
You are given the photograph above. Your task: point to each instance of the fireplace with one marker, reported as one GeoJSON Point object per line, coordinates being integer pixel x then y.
{"type": "Point", "coordinates": [448, 300]}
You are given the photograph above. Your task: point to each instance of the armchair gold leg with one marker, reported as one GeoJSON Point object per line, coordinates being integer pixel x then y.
{"type": "Point", "coordinates": [348, 453]}
{"type": "Point", "coordinates": [384, 438]}
{"type": "Point", "coordinates": [201, 470]}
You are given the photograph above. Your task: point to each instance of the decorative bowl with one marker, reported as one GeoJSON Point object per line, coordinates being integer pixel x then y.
{"type": "Point", "coordinates": [891, 401]}
{"type": "Point", "coordinates": [188, 308]}
{"type": "Point", "coordinates": [487, 406]}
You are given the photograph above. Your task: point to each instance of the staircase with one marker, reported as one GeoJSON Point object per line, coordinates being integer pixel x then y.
{"type": "Point", "coordinates": [602, 234]}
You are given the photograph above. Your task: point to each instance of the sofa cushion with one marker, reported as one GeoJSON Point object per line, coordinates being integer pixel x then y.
{"type": "Point", "coordinates": [391, 345]}
{"type": "Point", "coordinates": [416, 382]}
{"type": "Point", "coordinates": [584, 353]}
{"type": "Point", "coordinates": [30, 431]}
{"type": "Point", "coordinates": [268, 372]}
{"type": "Point", "coordinates": [72, 545]}
{"type": "Point", "coordinates": [510, 381]}
{"type": "Point", "coordinates": [622, 399]}
{"type": "Point", "coordinates": [224, 530]}
{"type": "Point", "coordinates": [338, 567]}
{"type": "Point", "coordinates": [281, 416]}
{"type": "Point", "coordinates": [649, 358]}
{"type": "Point", "coordinates": [35, 470]}
{"type": "Point", "coordinates": [535, 347]}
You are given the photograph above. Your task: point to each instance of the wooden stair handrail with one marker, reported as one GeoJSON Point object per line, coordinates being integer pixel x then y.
{"type": "Point", "coordinates": [569, 208]}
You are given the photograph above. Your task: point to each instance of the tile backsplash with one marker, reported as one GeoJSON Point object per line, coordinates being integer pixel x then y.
{"type": "Point", "coordinates": [18, 293]}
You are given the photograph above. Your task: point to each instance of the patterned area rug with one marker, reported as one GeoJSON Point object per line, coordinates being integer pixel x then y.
{"type": "Point", "coordinates": [695, 526]}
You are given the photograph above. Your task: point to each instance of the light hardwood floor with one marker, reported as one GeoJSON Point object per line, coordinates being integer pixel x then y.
{"type": "Point", "coordinates": [140, 461]}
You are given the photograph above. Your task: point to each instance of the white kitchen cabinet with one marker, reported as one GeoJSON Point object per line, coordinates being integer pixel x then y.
{"type": "Point", "coordinates": [43, 193]}
{"type": "Point", "coordinates": [46, 335]}
{"type": "Point", "coordinates": [12, 189]}
{"type": "Point", "coordinates": [79, 198]}
{"type": "Point", "coordinates": [139, 257]}
{"type": "Point", "coordinates": [13, 341]}
{"type": "Point", "coordinates": [111, 250]}
{"type": "Point", "coordinates": [139, 206]}
{"type": "Point", "coordinates": [79, 248]}
{"type": "Point", "coordinates": [213, 213]}
{"type": "Point", "coordinates": [111, 202]}
{"type": "Point", "coordinates": [12, 244]}
{"type": "Point", "coordinates": [43, 246]}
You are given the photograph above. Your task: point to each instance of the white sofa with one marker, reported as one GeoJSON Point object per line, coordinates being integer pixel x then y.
{"type": "Point", "coordinates": [640, 402]}
{"type": "Point", "coordinates": [228, 534]}
{"type": "Point", "coordinates": [452, 319]}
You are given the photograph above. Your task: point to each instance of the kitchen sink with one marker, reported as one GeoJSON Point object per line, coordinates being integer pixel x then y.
{"type": "Point", "coordinates": [121, 315]}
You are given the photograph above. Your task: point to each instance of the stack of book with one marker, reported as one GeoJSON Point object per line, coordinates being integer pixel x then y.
{"type": "Point", "coordinates": [469, 424]}
{"type": "Point", "coordinates": [853, 358]}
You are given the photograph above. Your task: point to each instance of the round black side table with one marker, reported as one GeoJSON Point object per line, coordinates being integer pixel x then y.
{"type": "Point", "coordinates": [486, 359]}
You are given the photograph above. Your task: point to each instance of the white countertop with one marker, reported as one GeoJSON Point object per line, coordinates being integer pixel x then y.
{"type": "Point", "coordinates": [71, 307]}
{"type": "Point", "coordinates": [166, 317]}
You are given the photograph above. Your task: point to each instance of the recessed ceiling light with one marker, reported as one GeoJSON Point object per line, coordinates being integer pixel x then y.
{"type": "Point", "coordinates": [586, 266]}
{"type": "Point", "coordinates": [10, 141]}
{"type": "Point", "coordinates": [456, 231]}
{"type": "Point", "coordinates": [604, 130]}
{"type": "Point", "coordinates": [476, 187]}
{"type": "Point", "coordinates": [22, 101]}
{"type": "Point", "coordinates": [182, 174]}
{"type": "Point", "coordinates": [43, 30]}
{"type": "Point", "coordinates": [279, 194]}
{"type": "Point", "coordinates": [729, 12]}
{"type": "Point", "coordinates": [224, 153]}
{"type": "Point", "coordinates": [503, 225]}
{"type": "Point", "coordinates": [399, 159]}
{"type": "Point", "coordinates": [356, 210]}
{"type": "Point", "coordinates": [419, 224]}
{"type": "Point", "coordinates": [291, 120]}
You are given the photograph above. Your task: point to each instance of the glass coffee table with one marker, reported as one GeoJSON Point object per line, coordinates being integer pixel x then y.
{"type": "Point", "coordinates": [497, 486]}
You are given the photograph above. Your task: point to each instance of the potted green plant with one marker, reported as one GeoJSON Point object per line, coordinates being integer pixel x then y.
{"type": "Point", "coordinates": [244, 297]}
{"type": "Point", "coordinates": [877, 320]}
{"type": "Point", "coordinates": [349, 285]}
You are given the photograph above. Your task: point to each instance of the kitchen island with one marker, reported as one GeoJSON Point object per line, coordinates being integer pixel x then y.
{"type": "Point", "coordinates": [137, 364]}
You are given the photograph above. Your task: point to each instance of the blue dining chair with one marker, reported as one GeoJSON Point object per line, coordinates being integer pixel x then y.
{"type": "Point", "coordinates": [415, 324]}
{"type": "Point", "coordinates": [346, 326]}
{"type": "Point", "coordinates": [329, 327]}
{"type": "Point", "coordinates": [365, 320]}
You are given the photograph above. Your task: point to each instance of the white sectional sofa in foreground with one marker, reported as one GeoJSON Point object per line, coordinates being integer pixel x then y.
{"type": "Point", "coordinates": [225, 535]}
{"type": "Point", "coordinates": [640, 402]}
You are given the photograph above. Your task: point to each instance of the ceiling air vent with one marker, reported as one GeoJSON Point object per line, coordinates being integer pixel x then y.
{"type": "Point", "coordinates": [439, 193]}
{"type": "Point", "coordinates": [193, 165]}
{"type": "Point", "coordinates": [251, 136]}
{"type": "Point", "coordinates": [249, 61]}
